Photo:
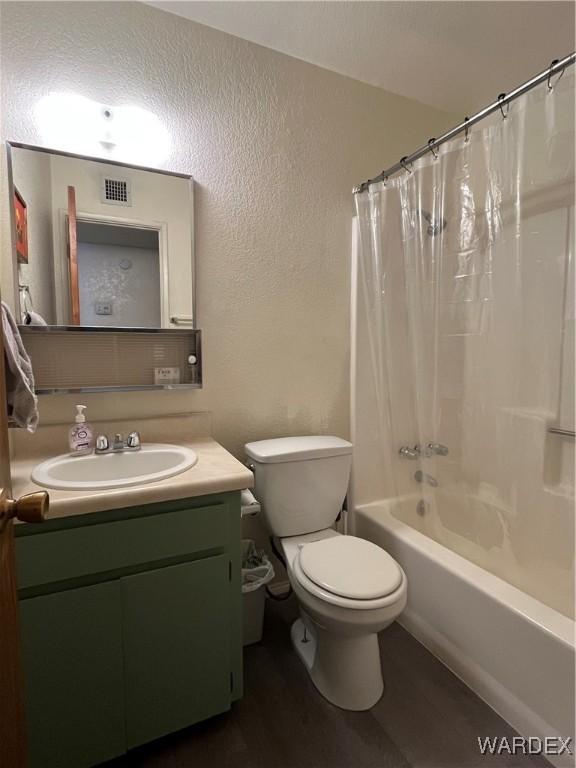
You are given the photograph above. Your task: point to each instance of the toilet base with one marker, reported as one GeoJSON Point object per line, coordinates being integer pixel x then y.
{"type": "Point", "coordinates": [345, 670]}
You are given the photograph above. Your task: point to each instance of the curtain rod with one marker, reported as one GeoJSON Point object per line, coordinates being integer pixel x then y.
{"type": "Point", "coordinates": [558, 65]}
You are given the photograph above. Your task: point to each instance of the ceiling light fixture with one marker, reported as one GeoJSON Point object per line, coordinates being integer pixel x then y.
{"type": "Point", "coordinates": [125, 133]}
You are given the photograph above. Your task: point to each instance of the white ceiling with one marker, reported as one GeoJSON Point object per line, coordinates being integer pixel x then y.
{"type": "Point", "coordinates": [456, 56]}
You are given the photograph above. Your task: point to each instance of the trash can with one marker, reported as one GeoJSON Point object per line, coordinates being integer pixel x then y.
{"type": "Point", "coordinates": [257, 571]}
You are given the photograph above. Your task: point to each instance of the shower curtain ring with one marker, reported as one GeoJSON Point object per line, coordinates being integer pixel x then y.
{"type": "Point", "coordinates": [501, 98]}
{"type": "Point", "coordinates": [405, 165]}
{"type": "Point", "coordinates": [466, 130]}
{"type": "Point", "coordinates": [431, 148]}
{"type": "Point", "coordinates": [552, 65]}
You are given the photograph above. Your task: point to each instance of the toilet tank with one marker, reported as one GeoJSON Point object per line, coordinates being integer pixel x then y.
{"type": "Point", "coordinates": [300, 482]}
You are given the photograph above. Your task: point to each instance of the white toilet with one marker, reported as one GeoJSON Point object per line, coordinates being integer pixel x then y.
{"type": "Point", "coordinates": [348, 588]}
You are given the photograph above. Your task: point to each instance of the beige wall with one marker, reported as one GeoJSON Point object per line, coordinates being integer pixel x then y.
{"type": "Point", "coordinates": [275, 146]}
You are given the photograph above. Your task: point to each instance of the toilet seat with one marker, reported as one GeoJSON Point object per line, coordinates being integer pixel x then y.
{"type": "Point", "coordinates": [348, 572]}
{"type": "Point", "coordinates": [350, 567]}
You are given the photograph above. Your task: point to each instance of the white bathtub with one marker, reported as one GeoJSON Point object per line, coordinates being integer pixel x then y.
{"type": "Point", "coordinates": [515, 652]}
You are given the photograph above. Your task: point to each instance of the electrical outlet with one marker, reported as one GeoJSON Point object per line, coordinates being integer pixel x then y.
{"type": "Point", "coordinates": [103, 307]}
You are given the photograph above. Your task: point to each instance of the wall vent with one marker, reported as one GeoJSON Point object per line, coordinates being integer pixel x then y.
{"type": "Point", "coordinates": [116, 191]}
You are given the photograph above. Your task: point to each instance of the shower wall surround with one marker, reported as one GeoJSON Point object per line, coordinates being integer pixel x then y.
{"type": "Point", "coordinates": [275, 146]}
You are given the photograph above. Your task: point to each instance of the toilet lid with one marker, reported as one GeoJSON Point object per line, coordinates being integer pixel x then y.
{"type": "Point", "coordinates": [350, 567]}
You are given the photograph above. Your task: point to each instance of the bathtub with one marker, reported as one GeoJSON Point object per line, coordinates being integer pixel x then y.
{"type": "Point", "coordinates": [514, 651]}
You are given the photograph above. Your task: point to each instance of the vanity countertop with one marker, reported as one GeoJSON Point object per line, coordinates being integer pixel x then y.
{"type": "Point", "coordinates": [216, 471]}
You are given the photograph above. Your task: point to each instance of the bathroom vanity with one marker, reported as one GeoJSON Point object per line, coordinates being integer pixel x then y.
{"type": "Point", "coordinates": [131, 616]}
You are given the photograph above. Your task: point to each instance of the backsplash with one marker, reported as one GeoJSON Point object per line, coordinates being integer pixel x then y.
{"type": "Point", "coordinates": [100, 360]}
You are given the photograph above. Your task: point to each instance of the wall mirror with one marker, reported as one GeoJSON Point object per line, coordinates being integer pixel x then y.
{"type": "Point", "coordinates": [99, 244]}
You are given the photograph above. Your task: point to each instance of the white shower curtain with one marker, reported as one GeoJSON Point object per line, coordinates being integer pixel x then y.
{"type": "Point", "coordinates": [466, 316]}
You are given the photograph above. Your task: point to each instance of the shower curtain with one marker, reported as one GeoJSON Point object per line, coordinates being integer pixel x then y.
{"type": "Point", "coordinates": [466, 322]}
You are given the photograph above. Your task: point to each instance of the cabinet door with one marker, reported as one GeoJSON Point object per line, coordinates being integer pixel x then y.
{"type": "Point", "coordinates": [72, 651]}
{"type": "Point", "coordinates": [176, 624]}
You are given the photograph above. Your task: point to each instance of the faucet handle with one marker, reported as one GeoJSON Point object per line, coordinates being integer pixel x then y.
{"type": "Point", "coordinates": [102, 444]}
{"type": "Point", "coordinates": [406, 452]}
{"type": "Point", "coordinates": [133, 441]}
{"type": "Point", "coordinates": [437, 449]}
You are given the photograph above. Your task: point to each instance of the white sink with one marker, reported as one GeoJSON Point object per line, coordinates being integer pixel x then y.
{"type": "Point", "coordinates": [151, 463]}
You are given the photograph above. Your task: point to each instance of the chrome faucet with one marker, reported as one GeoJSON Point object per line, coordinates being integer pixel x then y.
{"type": "Point", "coordinates": [408, 452]}
{"type": "Point", "coordinates": [132, 443]}
{"type": "Point", "coordinates": [430, 449]}
{"type": "Point", "coordinates": [436, 449]}
{"type": "Point", "coordinates": [118, 444]}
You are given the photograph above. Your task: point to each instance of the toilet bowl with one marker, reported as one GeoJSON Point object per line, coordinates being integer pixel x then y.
{"type": "Point", "coordinates": [348, 589]}
{"type": "Point", "coordinates": [337, 635]}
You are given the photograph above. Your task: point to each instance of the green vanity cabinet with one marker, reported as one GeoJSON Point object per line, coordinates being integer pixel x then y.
{"type": "Point", "coordinates": [131, 626]}
{"type": "Point", "coordinates": [183, 610]}
{"type": "Point", "coordinates": [72, 646]}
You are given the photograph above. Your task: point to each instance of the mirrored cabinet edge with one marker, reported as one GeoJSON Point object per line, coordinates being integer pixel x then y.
{"type": "Point", "coordinates": [181, 329]}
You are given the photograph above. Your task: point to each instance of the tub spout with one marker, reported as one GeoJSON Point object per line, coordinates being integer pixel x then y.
{"type": "Point", "coordinates": [422, 477]}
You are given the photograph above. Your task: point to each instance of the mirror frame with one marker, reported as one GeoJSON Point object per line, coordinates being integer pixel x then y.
{"type": "Point", "coordinates": [10, 145]}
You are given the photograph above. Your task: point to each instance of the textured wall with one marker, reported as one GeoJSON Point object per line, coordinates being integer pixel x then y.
{"type": "Point", "coordinates": [275, 146]}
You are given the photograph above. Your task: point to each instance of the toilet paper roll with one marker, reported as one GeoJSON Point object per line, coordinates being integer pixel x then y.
{"type": "Point", "coordinates": [249, 505]}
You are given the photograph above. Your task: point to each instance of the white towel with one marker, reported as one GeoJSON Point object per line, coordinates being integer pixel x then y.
{"type": "Point", "coordinates": [22, 402]}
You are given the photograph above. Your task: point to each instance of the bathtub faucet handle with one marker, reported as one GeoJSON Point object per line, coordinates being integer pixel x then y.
{"type": "Point", "coordinates": [436, 449]}
{"type": "Point", "coordinates": [407, 452]}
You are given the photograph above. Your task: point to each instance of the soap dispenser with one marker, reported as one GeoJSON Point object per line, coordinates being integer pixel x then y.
{"type": "Point", "coordinates": [81, 434]}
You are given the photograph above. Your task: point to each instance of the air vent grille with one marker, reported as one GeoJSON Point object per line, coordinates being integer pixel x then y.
{"type": "Point", "coordinates": [116, 191]}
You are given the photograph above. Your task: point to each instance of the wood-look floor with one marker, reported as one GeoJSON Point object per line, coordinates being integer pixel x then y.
{"type": "Point", "coordinates": [426, 718]}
